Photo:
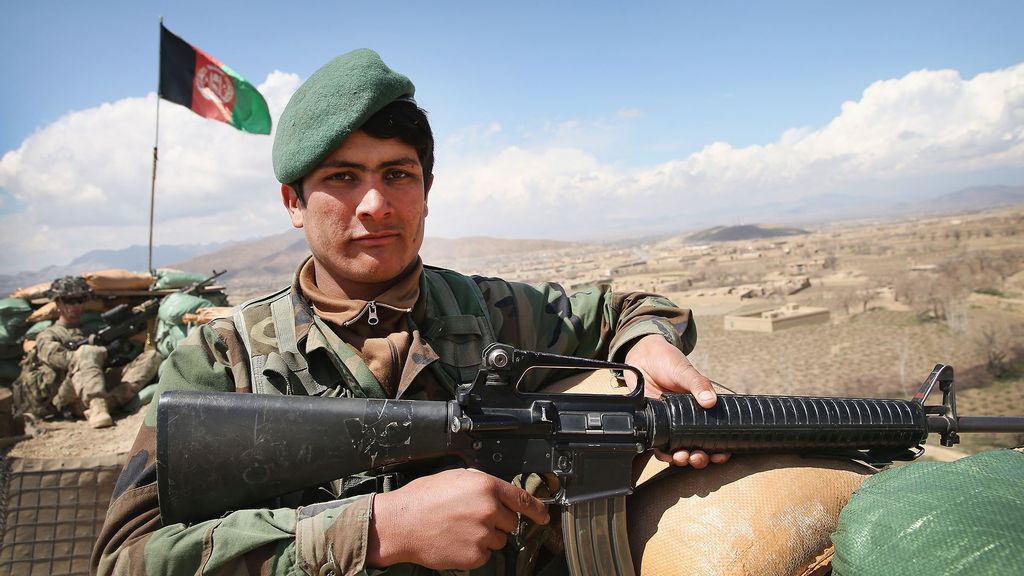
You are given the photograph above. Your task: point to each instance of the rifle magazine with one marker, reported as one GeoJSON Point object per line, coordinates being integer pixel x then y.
{"type": "Point", "coordinates": [596, 538]}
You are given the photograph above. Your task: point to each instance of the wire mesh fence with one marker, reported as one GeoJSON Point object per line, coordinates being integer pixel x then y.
{"type": "Point", "coordinates": [51, 511]}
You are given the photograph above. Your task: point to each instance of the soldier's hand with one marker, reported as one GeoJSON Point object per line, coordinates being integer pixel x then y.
{"type": "Point", "coordinates": [451, 520]}
{"type": "Point", "coordinates": [666, 370]}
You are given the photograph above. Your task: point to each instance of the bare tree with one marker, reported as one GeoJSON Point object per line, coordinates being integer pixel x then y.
{"type": "Point", "coordinates": [1000, 346]}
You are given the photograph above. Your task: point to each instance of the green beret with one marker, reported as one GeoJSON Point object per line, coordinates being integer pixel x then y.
{"type": "Point", "coordinates": [334, 102]}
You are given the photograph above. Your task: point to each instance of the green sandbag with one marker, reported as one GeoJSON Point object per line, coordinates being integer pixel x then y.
{"type": "Point", "coordinates": [14, 306]}
{"type": "Point", "coordinates": [167, 278]}
{"type": "Point", "coordinates": [176, 305]}
{"type": "Point", "coordinates": [936, 518]}
{"type": "Point", "coordinates": [36, 328]}
{"type": "Point", "coordinates": [91, 321]}
{"type": "Point", "coordinates": [167, 337]}
{"type": "Point", "coordinates": [13, 312]}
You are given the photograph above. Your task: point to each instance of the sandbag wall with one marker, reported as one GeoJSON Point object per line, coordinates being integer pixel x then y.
{"type": "Point", "coordinates": [28, 311]}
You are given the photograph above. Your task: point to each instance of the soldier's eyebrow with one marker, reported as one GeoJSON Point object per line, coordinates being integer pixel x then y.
{"type": "Point", "coordinates": [340, 163]}
{"type": "Point", "coordinates": [401, 161]}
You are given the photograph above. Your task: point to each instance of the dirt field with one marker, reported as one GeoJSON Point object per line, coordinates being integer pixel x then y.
{"type": "Point", "coordinates": [69, 439]}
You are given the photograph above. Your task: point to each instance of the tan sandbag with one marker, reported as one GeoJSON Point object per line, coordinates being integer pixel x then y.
{"type": "Point", "coordinates": [756, 515]}
{"type": "Point", "coordinates": [47, 311]}
{"type": "Point", "coordinates": [117, 279]}
{"type": "Point", "coordinates": [32, 292]}
{"type": "Point", "coordinates": [205, 315]}
{"type": "Point", "coordinates": [28, 345]}
{"type": "Point", "coordinates": [763, 515]}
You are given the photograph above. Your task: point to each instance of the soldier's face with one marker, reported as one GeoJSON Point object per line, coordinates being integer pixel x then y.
{"type": "Point", "coordinates": [363, 214]}
{"type": "Point", "coordinates": [70, 309]}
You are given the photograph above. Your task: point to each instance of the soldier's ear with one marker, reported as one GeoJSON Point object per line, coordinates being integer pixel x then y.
{"type": "Point", "coordinates": [292, 203]}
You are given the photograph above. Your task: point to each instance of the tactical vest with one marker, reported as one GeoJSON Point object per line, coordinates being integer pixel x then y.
{"type": "Point", "coordinates": [457, 328]}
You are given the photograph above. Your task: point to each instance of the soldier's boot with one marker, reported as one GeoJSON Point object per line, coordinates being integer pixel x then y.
{"type": "Point", "coordinates": [98, 414]}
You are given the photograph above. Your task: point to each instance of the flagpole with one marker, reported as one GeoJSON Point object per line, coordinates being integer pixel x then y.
{"type": "Point", "coordinates": [156, 145]}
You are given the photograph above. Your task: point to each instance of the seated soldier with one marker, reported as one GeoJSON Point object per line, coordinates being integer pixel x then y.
{"type": "Point", "coordinates": [80, 375]}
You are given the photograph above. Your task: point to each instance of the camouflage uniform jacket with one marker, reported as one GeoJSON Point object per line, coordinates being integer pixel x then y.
{"type": "Point", "coordinates": [292, 539]}
{"type": "Point", "coordinates": [53, 345]}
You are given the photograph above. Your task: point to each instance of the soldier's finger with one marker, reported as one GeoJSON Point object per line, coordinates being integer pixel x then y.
{"type": "Point", "coordinates": [496, 540]}
{"type": "Point", "coordinates": [720, 458]}
{"type": "Point", "coordinates": [506, 520]}
{"type": "Point", "coordinates": [699, 459]}
{"type": "Point", "coordinates": [522, 502]}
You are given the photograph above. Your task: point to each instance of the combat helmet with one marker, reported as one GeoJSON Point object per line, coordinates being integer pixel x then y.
{"type": "Point", "coordinates": [69, 287]}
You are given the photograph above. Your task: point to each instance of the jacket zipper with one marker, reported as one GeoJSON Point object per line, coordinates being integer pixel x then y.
{"type": "Point", "coordinates": [370, 311]}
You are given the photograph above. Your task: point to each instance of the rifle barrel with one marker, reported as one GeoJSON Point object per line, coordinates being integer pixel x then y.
{"type": "Point", "coordinates": [979, 424]}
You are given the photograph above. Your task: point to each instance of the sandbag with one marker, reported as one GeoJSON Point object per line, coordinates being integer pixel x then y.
{"type": "Point", "coordinates": [168, 336]}
{"type": "Point", "coordinates": [36, 328]}
{"type": "Point", "coordinates": [169, 328]}
{"type": "Point", "coordinates": [169, 278]}
{"type": "Point", "coordinates": [40, 290]}
{"type": "Point", "coordinates": [91, 321]}
{"type": "Point", "coordinates": [115, 280]}
{"type": "Point", "coordinates": [756, 515]}
{"type": "Point", "coordinates": [45, 312]}
{"type": "Point", "coordinates": [174, 306]}
{"type": "Point", "coordinates": [49, 310]}
{"type": "Point", "coordinates": [936, 518]}
{"type": "Point", "coordinates": [13, 313]}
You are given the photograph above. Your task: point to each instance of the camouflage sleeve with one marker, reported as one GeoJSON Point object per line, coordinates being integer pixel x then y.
{"type": "Point", "coordinates": [133, 539]}
{"type": "Point", "coordinates": [593, 323]}
{"type": "Point", "coordinates": [52, 351]}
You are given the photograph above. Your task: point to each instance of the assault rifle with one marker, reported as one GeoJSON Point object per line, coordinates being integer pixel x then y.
{"type": "Point", "coordinates": [123, 321]}
{"type": "Point", "coordinates": [218, 452]}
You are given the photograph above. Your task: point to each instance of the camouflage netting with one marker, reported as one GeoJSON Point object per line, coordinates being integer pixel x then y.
{"type": "Point", "coordinates": [936, 518]}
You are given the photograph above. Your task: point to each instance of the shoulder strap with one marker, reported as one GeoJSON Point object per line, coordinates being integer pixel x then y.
{"type": "Point", "coordinates": [457, 298]}
{"type": "Point", "coordinates": [252, 317]}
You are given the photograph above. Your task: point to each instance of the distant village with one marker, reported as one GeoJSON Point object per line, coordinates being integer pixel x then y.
{"type": "Point", "coordinates": [805, 277]}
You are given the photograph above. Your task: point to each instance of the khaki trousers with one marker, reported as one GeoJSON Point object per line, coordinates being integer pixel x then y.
{"type": "Point", "coordinates": [87, 379]}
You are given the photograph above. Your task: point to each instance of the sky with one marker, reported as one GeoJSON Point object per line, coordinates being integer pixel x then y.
{"type": "Point", "coordinates": [565, 120]}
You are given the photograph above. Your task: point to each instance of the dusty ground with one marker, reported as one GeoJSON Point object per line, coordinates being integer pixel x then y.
{"type": "Point", "coordinates": [67, 439]}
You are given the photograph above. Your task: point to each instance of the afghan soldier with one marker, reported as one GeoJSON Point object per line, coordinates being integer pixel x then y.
{"type": "Point", "coordinates": [73, 381]}
{"type": "Point", "coordinates": [364, 317]}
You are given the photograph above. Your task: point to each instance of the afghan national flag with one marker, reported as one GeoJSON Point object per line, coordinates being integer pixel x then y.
{"type": "Point", "coordinates": [196, 80]}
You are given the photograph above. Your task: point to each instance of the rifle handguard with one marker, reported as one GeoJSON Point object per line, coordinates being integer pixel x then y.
{"type": "Point", "coordinates": [752, 423]}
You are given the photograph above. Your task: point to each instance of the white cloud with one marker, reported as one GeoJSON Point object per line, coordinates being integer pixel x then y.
{"type": "Point", "coordinates": [83, 181]}
{"type": "Point", "coordinates": [923, 125]}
